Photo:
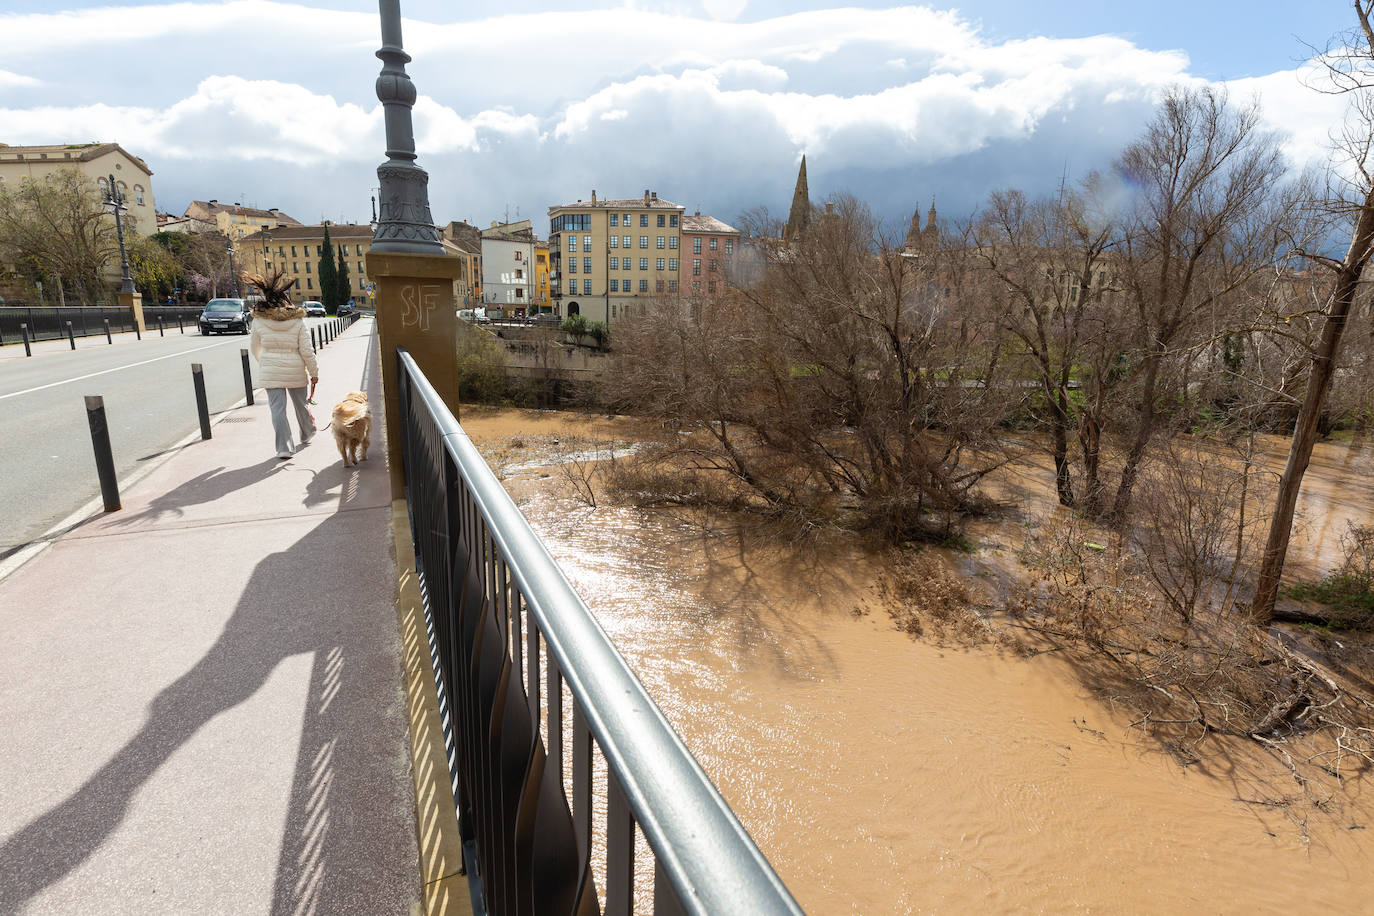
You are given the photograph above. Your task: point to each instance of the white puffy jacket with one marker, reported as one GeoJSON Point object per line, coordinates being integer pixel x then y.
{"type": "Point", "coordinates": [281, 345]}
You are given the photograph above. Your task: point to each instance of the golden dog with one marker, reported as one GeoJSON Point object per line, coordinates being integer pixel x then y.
{"type": "Point", "coordinates": [352, 426]}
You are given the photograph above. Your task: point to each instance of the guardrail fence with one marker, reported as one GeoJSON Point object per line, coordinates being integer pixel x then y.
{"type": "Point", "coordinates": [539, 705]}
{"type": "Point", "coordinates": [50, 322]}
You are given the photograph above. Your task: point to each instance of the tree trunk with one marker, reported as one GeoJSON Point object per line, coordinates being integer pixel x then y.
{"type": "Point", "coordinates": [1122, 503]}
{"type": "Point", "coordinates": [1305, 432]}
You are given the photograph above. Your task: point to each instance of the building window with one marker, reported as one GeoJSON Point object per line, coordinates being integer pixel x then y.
{"type": "Point", "coordinates": [672, 241]}
{"type": "Point", "coordinates": [293, 251]}
{"type": "Point", "coordinates": [713, 264]}
{"type": "Point", "coordinates": [517, 255]}
{"type": "Point", "coordinates": [281, 251]}
{"type": "Point", "coordinates": [519, 293]}
{"type": "Point", "coordinates": [138, 194]}
{"type": "Point", "coordinates": [696, 285]}
{"type": "Point", "coordinates": [711, 286]}
{"type": "Point", "coordinates": [672, 286]}
{"type": "Point", "coordinates": [359, 250]}
{"type": "Point", "coordinates": [696, 245]}
{"type": "Point", "coordinates": [615, 241]}
{"type": "Point", "coordinates": [586, 287]}
{"type": "Point", "coordinates": [659, 265]}
{"type": "Point", "coordinates": [586, 243]}
{"type": "Point", "coordinates": [319, 251]}
{"type": "Point", "coordinates": [643, 241]}
{"type": "Point", "coordinates": [572, 243]}
{"type": "Point", "coordinates": [672, 220]}
{"type": "Point", "coordinates": [714, 242]}
{"type": "Point", "coordinates": [307, 267]}
{"type": "Point", "coordinates": [729, 246]}
{"type": "Point", "coordinates": [309, 284]}
{"type": "Point", "coordinates": [104, 185]}
{"type": "Point", "coordinates": [643, 286]}
{"type": "Point", "coordinates": [644, 219]}
{"type": "Point", "coordinates": [615, 219]}
{"type": "Point", "coordinates": [658, 286]}
{"type": "Point", "coordinates": [613, 308]}
{"type": "Point", "coordinates": [586, 265]}
{"type": "Point", "coordinates": [672, 263]}
{"type": "Point", "coordinates": [295, 267]}
{"type": "Point", "coordinates": [661, 219]}
{"type": "Point", "coordinates": [643, 263]}
{"type": "Point", "coordinates": [625, 242]}
{"type": "Point", "coordinates": [696, 266]}
{"type": "Point", "coordinates": [360, 267]}
{"type": "Point", "coordinates": [615, 283]}
{"type": "Point", "coordinates": [572, 265]}
{"type": "Point", "coordinates": [519, 274]}
{"type": "Point", "coordinates": [615, 264]}
{"type": "Point", "coordinates": [572, 287]}
{"type": "Point", "coordinates": [659, 242]}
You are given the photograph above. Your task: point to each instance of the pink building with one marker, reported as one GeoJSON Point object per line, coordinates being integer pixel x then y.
{"type": "Point", "coordinates": [708, 245]}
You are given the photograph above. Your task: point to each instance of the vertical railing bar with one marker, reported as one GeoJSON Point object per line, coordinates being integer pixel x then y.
{"type": "Point", "coordinates": [620, 850]}
{"type": "Point", "coordinates": [532, 671]}
{"type": "Point", "coordinates": [517, 634]}
{"type": "Point", "coordinates": [665, 898]}
{"type": "Point", "coordinates": [503, 587]}
{"type": "Point", "coordinates": [555, 703]}
{"type": "Point", "coordinates": [582, 781]}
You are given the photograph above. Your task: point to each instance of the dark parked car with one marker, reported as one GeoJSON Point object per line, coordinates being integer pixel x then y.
{"type": "Point", "coordinates": [225, 315]}
{"type": "Point", "coordinates": [313, 308]}
{"type": "Point", "coordinates": [346, 308]}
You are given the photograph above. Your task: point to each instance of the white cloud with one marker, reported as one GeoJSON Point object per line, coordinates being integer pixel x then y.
{"type": "Point", "coordinates": [8, 79]}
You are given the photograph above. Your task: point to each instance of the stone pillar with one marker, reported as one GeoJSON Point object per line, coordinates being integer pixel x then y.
{"type": "Point", "coordinates": [416, 309]}
{"type": "Point", "coordinates": [134, 301]}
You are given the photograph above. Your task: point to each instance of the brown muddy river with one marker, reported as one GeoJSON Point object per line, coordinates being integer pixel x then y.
{"type": "Point", "coordinates": [883, 774]}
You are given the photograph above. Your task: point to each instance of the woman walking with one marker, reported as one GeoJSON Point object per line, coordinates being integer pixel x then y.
{"type": "Point", "coordinates": [286, 360]}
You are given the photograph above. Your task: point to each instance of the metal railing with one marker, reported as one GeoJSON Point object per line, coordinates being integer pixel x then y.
{"type": "Point", "coordinates": [531, 688]}
{"type": "Point", "coordinates": [49, 322]}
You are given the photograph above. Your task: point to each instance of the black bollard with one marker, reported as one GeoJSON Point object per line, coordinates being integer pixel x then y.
{"type": "Point", "coordinates": [180, 329]}
{"type": "Point", "coordinates": [198, 377]}
{"type": "Point", "coordinates": [313, 348]}
{"type": "Point", "coordinates": [137, 333]}
{"type": "Point", "coordinates": [161, 331]}
{"type": "Point", "coordinates": [247, 377]}
{"type": "Point", "coordinates": [24, 333]}
{"type": "Point", "coordinates": [104, 459]}
{"type": "Point", "coordinates": [108, 338]}
{"type": "Point", "coordinates": [71, 338]}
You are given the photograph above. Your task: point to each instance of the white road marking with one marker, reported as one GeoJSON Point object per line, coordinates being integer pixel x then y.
{"type": "Point", "coordinates": [145, 362]}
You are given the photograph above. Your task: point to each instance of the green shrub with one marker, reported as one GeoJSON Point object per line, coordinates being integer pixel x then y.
{"type": "Point", "coordinates": [575, 325]}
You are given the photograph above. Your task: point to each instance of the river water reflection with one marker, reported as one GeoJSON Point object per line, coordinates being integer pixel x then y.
{"type": "Point", "coordinates": [882, 774]}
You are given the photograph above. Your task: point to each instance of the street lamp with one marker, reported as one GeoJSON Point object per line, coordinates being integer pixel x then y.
{"type": "Point", "coordinates": [233, 275]}
{"type": "Point", "coordinates": [114, 199]}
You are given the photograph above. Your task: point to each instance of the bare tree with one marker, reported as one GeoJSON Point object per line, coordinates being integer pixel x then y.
{"type": "Point", "coordinates": [1349, 63]}
{"type": "Point", "coordinates": [1202, 223]}
{"type": "Point", "coordinates": [56, 227]}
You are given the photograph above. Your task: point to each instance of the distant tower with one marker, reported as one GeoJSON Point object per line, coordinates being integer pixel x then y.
{"type": "Point", "coordinates": [913, 234]}
{"type": "Point", "coordinates": [800, 217]}
{"type": "Point", "coordinates": [930, 235]}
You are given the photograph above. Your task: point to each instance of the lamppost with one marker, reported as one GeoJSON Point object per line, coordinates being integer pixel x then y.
{"type": "Point", "coordinates": [114, 199]}
{"type": "Point", "coordinates": [233, 274]}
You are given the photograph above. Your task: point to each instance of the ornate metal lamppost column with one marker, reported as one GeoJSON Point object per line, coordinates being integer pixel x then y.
{"type": "Point", "coordinates": [114, 199]}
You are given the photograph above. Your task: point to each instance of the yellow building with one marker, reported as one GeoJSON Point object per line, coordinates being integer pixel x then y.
{"type": "Point", "coordinates": [609, 258]}
{"type": "Point", "coordinates": [233, 221]}
{"type": "Point", "coordinates": [465, 240]}
{"type": "Point", "coordinates": [541, 301]}
{"type": "Point", "coordinates": [297, 250]}
{"type": "Point", "coordinates": [97, 161]}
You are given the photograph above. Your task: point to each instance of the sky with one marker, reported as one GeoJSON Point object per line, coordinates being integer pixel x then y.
{"type": "Point", "coordinates": [710, 103]}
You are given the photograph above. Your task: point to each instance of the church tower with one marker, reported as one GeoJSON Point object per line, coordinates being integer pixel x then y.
{"type": "Point", "coordinates": [930, 235]}
{"type": "Point", "coordinates": [800, 217]}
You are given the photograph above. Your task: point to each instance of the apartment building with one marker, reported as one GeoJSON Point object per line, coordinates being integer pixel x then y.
{"type": "Point", "coordinates": [96, 161]}
{"type": "Point", "coordinates": [233, 221]}
{"type": "Point", "coordinates": [708, 246]}
{"type": "Point", "coordinates": [609, 258]}
{"type": "Point", "coordinates": [542, 302]}
{"type": "Point", "coordinates": [508, 267]}
{"type": "Point", "coordinates": [465, 241]}
{"type": "Point", "coordinates": [297, 250]}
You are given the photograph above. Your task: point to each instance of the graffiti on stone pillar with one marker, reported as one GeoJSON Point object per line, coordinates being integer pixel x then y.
{"type": "Point", "coordinates": [418, 300]}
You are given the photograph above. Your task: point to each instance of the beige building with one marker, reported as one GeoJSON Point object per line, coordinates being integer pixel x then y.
{"type": "Point", "coordinates": [609, 258]}
{"type": "Point", "coordinates": [297, 250]}
{"type": "Point", "coordinates": [97, 161]}
{"type": "Point", "coordinates": [465, 240]}
{"type": "Point", "coordinates": [233, 221]}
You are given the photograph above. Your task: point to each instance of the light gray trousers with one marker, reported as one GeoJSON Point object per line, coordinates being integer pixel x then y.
{"type": "Point", "coordinates": [276, 400]}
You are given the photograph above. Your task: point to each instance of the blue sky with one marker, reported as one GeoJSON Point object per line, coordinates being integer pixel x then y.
{"type": "Point", "coordinates": [710, 103]}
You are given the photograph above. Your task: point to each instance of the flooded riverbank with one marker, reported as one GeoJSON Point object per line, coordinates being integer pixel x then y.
{"type": "Point", "coordinates": [882, 774]}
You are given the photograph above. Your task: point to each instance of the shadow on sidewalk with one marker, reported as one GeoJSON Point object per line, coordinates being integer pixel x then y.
{"type": "Point", "coordinates": [203, 488]}
{"type": "Point", "coordinates": [349, 845]}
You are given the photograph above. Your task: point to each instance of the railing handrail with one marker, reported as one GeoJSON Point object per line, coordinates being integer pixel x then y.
{"type": "Point", "coordinates": [701, 847]}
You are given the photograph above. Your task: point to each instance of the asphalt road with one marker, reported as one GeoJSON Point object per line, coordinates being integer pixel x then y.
{"type": "Point", "coordinates": [47, 465]}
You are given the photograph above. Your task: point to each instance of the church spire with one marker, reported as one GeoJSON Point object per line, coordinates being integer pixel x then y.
{"type": "Point", "coordinates": [800, 217]}
{"type": "Point", "coordinates": [931, 233]}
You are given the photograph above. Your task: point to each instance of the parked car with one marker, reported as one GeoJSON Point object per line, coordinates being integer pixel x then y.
{"type": "Point", "coordinates": [346, 308]}
{"type": "Point", "coordinates": [313, 308]}
{"type": "Point", "coordinates": [225, 315]}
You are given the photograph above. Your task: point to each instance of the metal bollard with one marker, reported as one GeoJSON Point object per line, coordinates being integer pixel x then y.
{"type": "Point", "coordinates": [108, 338]}
{"type": "Point", "coordinates": [313, 348]}
{"type": "Point", "coordinates": [247, 376]}
{"type": "Point", "coordinates": [24, 333]}
{"type": "Point", "coordinates": [137, 333]}
{"type": "Point", "coordinates": [161, 331]}
{"type": "Point", "coordinates": [71, 338]}
{"type": "Point", "coordinates": [104, 459]}
{"type": "Point", "coordinates": [180, 329]}
{"type": "Point", "coordinates": [198, 377]}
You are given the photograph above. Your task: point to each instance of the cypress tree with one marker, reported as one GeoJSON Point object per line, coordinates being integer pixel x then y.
{"type": "Point", "coordinates": [329, 276]}
{"type": "Point", "coordinates": [345, 284]}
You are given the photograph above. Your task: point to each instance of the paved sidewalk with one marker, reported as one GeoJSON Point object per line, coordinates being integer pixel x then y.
{"type": "Point", "coordinates": [201, 694]}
